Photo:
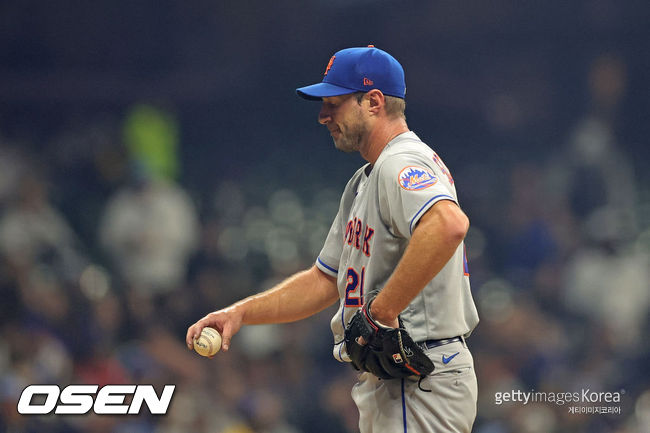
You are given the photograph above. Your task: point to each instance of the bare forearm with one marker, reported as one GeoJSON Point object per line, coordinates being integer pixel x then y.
{"type": "Point", "coordinates": [299, 296]}
{"type": "Point", "coordinates": [295, 298]}
{"type": "Point", "coordinates": [433, 243]}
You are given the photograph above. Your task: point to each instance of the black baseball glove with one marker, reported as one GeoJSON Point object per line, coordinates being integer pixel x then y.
{"type": "Point", "coordinates": [389, 353]}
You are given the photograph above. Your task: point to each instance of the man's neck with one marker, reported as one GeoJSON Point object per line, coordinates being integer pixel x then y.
{"type": "Point", "coordinates": [380, 136]}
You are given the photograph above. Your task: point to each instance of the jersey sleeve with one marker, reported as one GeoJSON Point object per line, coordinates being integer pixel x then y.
{"type": "Point", "coordinates": [329, 257]}
{"type": "Point", "coordinates": [409, 184]}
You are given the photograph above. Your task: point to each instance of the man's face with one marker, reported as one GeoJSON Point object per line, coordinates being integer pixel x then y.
{"type": "Point", "coordinates": [344, 119]}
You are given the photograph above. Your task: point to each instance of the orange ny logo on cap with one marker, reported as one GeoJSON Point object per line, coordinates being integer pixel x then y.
{"type": "Point", "coordinates": [367, 81]}
{"type": "Point", "coordinates": [329, 65]}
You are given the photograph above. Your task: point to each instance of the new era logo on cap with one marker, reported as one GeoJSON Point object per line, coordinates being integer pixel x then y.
{"type": "Point", "coordinates": [358, 70]}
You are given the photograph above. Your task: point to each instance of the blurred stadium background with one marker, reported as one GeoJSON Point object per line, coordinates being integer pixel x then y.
{"type": "Point", "coordinates": [155, 164]}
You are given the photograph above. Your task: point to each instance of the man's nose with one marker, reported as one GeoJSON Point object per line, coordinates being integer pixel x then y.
{"type": "Point", "coordinates": [324, 116]}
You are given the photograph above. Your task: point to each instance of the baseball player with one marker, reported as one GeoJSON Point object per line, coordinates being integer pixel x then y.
{"type": "Point", "coordinates": [394, 259]}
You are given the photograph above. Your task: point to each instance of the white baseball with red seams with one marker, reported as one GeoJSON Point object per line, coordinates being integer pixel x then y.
{"type": "Point", "coordinates": [208, 343]}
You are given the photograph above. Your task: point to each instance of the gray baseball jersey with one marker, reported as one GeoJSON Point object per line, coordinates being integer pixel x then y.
{"type": "Point", "coordinates": [379, 209]}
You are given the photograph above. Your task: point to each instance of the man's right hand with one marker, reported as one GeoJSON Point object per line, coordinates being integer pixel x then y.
{"type": "Point", "coordinates": [227, 321]}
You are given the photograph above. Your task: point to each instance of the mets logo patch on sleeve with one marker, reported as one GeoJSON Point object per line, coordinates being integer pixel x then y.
{"type": "Point", "coordinates": [414, 178]}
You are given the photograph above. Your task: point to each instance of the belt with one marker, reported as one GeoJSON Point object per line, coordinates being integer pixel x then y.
{"type": "Point", "coordinates": [430, 344]}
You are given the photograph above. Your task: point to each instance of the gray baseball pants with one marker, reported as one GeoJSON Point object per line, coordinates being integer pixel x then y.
{"type": "Point", "coordinates": [400, 406]}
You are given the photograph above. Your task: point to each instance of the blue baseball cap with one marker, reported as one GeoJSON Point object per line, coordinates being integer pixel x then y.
{"type": "Point", "coordinates": [358, 70]}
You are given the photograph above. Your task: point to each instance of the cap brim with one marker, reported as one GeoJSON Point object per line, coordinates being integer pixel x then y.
{"type": "Point", "coordinates": [316, 92]}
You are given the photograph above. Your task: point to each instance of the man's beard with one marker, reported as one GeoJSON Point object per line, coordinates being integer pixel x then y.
{"type": "Point", "coordinates": [351, 140]}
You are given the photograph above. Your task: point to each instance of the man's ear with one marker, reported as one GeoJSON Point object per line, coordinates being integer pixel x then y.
{"type": "Point", "coordinates": [376, 100]}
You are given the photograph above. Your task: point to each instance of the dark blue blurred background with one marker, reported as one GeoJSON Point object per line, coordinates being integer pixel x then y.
{"type": "Point", "coordinates": [156, 164]}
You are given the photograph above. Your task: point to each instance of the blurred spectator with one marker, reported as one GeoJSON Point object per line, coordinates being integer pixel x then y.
{"type": "Point", "coordinates": [151, 137]}
{"type": "Point", "coordinates": [611, 287]}
{"type": "Point", "coordinates": [33, 231]}
{"type": "Point", "coordinates": [594, 173]}
{"type": "Point", "coordinates": [605, 278]}
{"type": "Point", "coordinates": [87, 162]}
{"type": "Point", "coordinates": [149, 229]}
{"type": "Point", "coordinates": [529, 239]}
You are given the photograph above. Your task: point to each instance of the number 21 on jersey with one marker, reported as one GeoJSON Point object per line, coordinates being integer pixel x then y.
{"type": "Point", "coordinates": [354, 288]}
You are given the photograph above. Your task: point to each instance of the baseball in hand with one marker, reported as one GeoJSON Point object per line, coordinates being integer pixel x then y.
{"type": "Point", "coordinates": [208, 343]}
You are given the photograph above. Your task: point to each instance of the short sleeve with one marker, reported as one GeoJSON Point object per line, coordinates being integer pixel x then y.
{"type": "Point", "coordinates": [409, 184]}
{"type": "Point", "coordinates": [330, 255]}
